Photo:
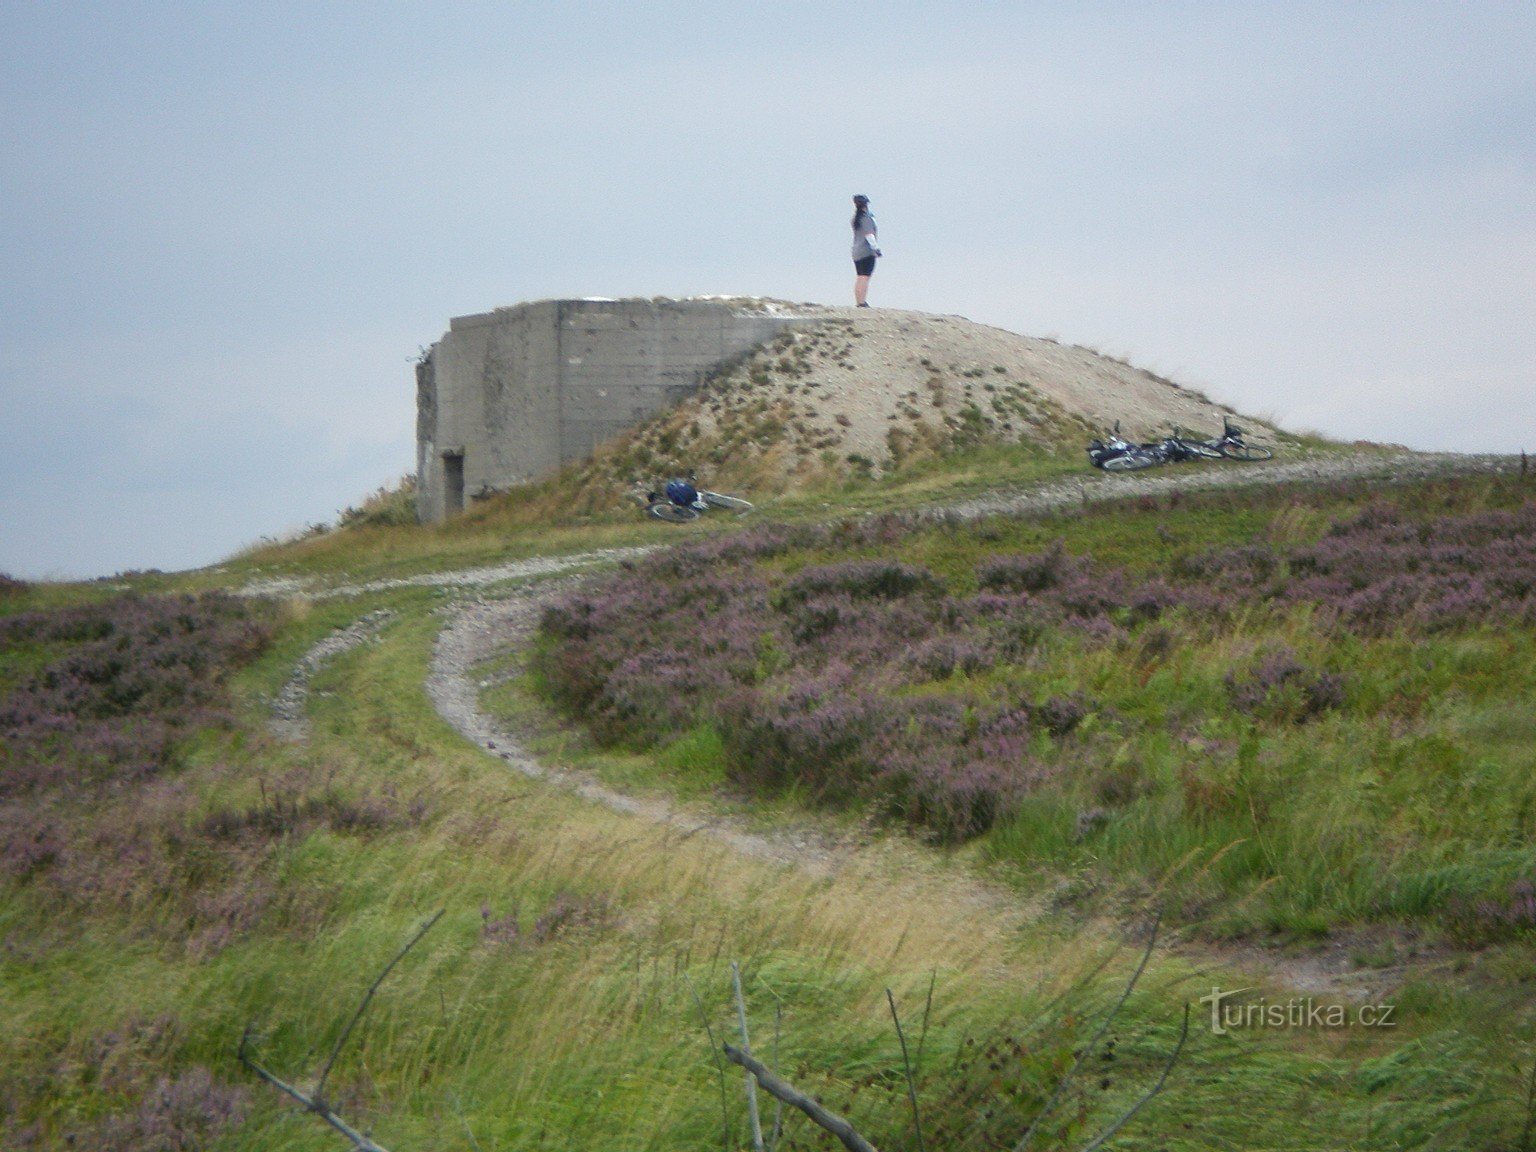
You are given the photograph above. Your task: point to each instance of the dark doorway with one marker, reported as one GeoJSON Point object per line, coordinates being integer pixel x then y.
{"type": "Point", "coordinates": [453, 483]}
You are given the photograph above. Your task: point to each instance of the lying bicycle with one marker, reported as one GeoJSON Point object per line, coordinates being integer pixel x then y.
{"type": "Point", "coordinates": [681, 500]}
{"type": "Point", "coordinates": [1116, 454]}
{"type": "Point", "coordinates": [1234, 447]}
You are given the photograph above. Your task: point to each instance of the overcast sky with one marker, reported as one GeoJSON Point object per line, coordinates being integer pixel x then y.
{"type": "Point", "coordinates": [226, 229]}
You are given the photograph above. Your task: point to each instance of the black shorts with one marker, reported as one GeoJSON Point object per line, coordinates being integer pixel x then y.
{"type": "Point", "coordinates": [865, 267]}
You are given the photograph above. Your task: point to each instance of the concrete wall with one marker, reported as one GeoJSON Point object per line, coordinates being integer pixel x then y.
{"type": "Point", "coordinates": [509, 396]}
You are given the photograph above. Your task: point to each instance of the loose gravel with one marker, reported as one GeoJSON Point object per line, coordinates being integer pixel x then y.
{"type": "Point", "coordinates": [289, 721]}
{"type": "Point", "coordinates": [479, 629]}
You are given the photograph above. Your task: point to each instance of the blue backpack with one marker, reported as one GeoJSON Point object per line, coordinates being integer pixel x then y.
{"type": "Point", "coordinates": [682, 492]}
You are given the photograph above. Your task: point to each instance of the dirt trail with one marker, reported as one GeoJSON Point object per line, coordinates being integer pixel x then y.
{"type": "Point", "coordinates": [482, 626]}
{"type": "Point", "coordinates": [479, 629]}
{"type": "Point", "coordinates": [289, 721]}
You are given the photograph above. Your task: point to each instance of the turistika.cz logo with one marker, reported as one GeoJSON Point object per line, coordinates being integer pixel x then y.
{"type": "Point", "coordinates": [1228, 1013]}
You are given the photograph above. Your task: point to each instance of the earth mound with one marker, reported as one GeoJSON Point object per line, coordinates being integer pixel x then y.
{"type": "Point", "coordinates": [874, 390]}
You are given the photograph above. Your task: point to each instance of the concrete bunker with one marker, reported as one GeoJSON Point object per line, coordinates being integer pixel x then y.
{"type": "Point", "coordinates": [508, 396]}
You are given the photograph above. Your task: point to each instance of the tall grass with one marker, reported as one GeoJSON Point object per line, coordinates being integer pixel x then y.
{"type": "Point", "coordinates": [554, 1004]}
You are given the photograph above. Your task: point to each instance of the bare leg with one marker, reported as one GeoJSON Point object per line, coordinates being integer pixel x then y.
{"type": "Point", "coordinates": [860, 290]}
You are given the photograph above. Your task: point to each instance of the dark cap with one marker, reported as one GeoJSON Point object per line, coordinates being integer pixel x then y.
{"type": "Point", "coordinates": [861, 199]}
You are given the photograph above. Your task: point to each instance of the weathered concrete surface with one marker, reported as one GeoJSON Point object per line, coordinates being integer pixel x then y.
{"type": "Point", "coordinates": [509, 396]}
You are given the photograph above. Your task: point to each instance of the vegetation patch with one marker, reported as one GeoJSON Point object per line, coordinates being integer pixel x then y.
{"type": "Point", "coordinates": [1258, 719]}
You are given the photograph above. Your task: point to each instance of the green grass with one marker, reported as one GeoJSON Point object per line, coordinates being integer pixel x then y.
{"type": "Point", "coordinates": [585, 1033]}
{"type": "Point", "coordinates": [1400, 812]}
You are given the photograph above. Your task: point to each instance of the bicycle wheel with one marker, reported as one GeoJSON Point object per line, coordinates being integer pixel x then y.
{"type": "Point", "coordinates": [1130, 462]}
{"type": "Point", "coordinates": [720, 500]}
{"type": "Point", "coordinates": [1203, 448]}
{"type": "Point", "coordinates": [672, 513]}
{"type": "Point", "coordinates": [1247, 451]}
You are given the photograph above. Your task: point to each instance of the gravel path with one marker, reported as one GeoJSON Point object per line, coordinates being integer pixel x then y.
{"type": "Point", "coordinates": [1095, 486]}
{"type": "Point", "coordinates": [315, 588]}
{"type": "Point", "coordinates": [289, 721]}
{"type": "Point", "coordinates": [480, 627]}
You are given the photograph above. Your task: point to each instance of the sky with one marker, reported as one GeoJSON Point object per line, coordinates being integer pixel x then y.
{"type": "Point", "coordinates": [227, 229]}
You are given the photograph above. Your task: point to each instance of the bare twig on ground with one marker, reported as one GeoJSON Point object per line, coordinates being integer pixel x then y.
{"type": "Point", "coordinates": [725, 1106]}
{"type": "Point", "coordinates": [746, 1045]}
{"type": "Point", "coordinates": [1530, 1088]}
{"type": "Point", "coordinates": [1066, 1080]}
{"type": "Point", "coordinates": [917, 1118]}
{"type": "Point", "coordinates": [315, 1104]}
{"type": "Point", "coordinates": [820, 1116]}
{"type": "Point", "coordinates": [368, 999]}
{"type": "Point", "coordinates": [315, 1101]}
{"type": "Point", "coordinates": [1125, 1118]}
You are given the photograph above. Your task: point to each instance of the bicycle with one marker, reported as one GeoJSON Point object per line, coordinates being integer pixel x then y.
{"type": "Point", "coordinates": [1234, 447]}
{"type": "Point", "coordinates": [1188, 449]}
{"type": "Point", "coordinates": [1116, 454]}
{"type": "Point", "coordinates": [680, 501]}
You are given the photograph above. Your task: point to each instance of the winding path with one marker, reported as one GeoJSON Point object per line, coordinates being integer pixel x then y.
{"type": "Point", "coordinates": [289, 721]}
{"type": "Point", "coordinates": [482, 626]}
{"type": "Point", "coordinates": [479, 629]}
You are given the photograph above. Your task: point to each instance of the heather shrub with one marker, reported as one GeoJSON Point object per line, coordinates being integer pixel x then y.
{"type": "Point", "coordinates": [1032, 573]}
{"type": "Point", "coordinates": [185, 1113]}
{"type": "Point", "coordinates": [1087, 594]}
{"type": "Point", "coordinates": [1378, 572]}
{"type": "Point", "coordinates": [289, 812]}
{"type": "Point", "coordinates": [815, 736]}
{"type": "Point", "coordinates": [860, 580]}
{"type": "Point", "coordinates": [649, 697]}
{"type": "Point", "coordinates": [1153, 599]}
{"type": "Point", "coordinates": [1246, 570]}
{"type": "Point", "coordinates": [1009, 626]}
{"type": "Point", "coordinates": [929, 762]}
{"type": "Point", "coordinates": [940, 657]}
{"type": "Point", "coordinates": [135, 676]}
{"type": "Point", "coordinates": [1278, 686]}
{"type": "Point", "coordinates": [867, 634]}
{"type": "Point", "coordinates": [32, 838]}
{"type": "Point", "coordinates": [566, 914]}
{"type": "Point", "coordinates": [1505, 915]}
{"type": "Point", "coordinates": [953, 774]}
{"type": "Point", "coordinates": [569, 913]}
{"type": "Point", "coordinates": [501, 931]}
{"type": "Point", "coordinates": [1060, 715]}
{"type": "Point", "coordinates": [208, 877]}
{"type": "Point", "coordinates": [141, 1098]}
{"type": "Point", "coordinates": [809, 678]}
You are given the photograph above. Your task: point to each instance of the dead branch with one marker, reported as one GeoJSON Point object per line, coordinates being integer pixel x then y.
{"type": "Point", "coordinates": [725, 1107]}
{"type": "Point", "coordinates": [1151, 1092]}
{"type": "Point", "coordinates": [368, 999]}
{"type": "Point", "coordinates": [917, 1118]}
{"type": "Point", "coordinates": [315, 1101]}
{"type": "Point", "coordinates": [778, 1105]}
{"type": "Point", "coordinates": [1066, 1081]}
{"type": "Point", "coordinates": [1530, 1089]}
{"type": "Point", "coordinates": [780, 1090]}
{"type": "Point", "coordinates": [746, 1046]}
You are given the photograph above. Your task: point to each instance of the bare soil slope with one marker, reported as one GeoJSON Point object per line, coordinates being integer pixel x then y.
{"type": "Point", "coordinates": [875, 389]}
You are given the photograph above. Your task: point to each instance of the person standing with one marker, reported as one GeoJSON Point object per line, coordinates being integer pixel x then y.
{"type": "Point", "coordinates": [866, 248]}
